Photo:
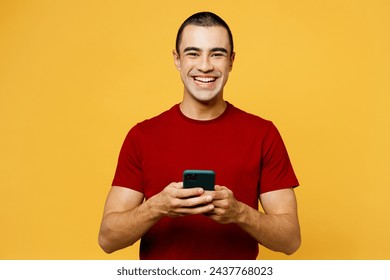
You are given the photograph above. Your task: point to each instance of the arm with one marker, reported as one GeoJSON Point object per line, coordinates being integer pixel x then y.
{"type": "Point", "coordinates": [277, 228]}
{"type": "Point", "coordinates": [127, 218]}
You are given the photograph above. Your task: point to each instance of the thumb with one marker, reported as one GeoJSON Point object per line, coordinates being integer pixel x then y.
{"type": "Point", "coordinates": [175, 185]}
{"type": "Point", "coordinates": [219, 188]}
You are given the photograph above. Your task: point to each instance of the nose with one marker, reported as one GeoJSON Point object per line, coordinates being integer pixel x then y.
{"type": "Point", "coordinates": [205, 64]}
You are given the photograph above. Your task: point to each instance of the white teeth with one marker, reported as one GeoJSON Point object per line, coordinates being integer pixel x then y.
{"type": "Point", "coordinates": [205, 79]}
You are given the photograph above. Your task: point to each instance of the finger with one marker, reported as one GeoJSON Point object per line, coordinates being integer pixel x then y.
{"type": "Point", "coordinates": [220, 194]}
{"type": "Point", "coordinates": [196, 201]}
{"type": "Point", "coordinates": [176, 185]}
{"type": "Point", "coordinates": [221, 205]}
{"type": "Point", "coordinates": [209, 193]}
{"type": "Point", "coordinates": [220, 188]}
{"type": "Point", "coordinates": [176, 190]}
{"type": "Point", "coordinates": [192, 202]}
{"type": "Point", "coordinates": [201, 209]}
{"type": "Point", "coordinates": [186, 193]}
{"type": "Point", "coordinates": [213, 216]}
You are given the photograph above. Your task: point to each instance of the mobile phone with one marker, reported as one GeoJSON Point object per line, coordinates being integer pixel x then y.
{"type": "Point", "coordinates": [199, 178]}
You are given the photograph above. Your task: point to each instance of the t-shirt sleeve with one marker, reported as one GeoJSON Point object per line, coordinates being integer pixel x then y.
{"type": "Point", "coordinates": [128, 172]}
{"type": "Point", "coordinates": [276, 169]}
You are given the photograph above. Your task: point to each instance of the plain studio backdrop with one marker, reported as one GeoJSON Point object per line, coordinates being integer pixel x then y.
{"type": "Point", "coordinates": [76, 75]}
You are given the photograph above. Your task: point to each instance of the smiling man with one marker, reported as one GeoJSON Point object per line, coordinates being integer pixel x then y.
{"type": "Point", "coordinates": [147, 200]}
{"type": "Point", "coordinates": [204, 59]}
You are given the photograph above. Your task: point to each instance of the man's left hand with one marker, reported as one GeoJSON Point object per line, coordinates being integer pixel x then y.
{"type": "Point", "coordinates": [226, 208]}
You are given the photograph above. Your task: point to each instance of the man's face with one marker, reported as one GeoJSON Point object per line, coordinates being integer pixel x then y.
{"type": "Point", "coordinates": [204, 61]}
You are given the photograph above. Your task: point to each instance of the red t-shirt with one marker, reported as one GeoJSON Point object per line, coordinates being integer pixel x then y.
{"type": "Point", "coordinates": [245, 151]}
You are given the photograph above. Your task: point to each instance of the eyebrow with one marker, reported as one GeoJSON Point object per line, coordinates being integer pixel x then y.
{"type": "Point", "coordinates": [188, 49]}
{"type": "Point", "coordinates": [219, 50]}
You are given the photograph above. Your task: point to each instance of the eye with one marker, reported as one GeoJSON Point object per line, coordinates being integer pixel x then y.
{"type": "Point", "coordinates": [218, 54]}
{"type": "Point", "coordinates": [193, 54]}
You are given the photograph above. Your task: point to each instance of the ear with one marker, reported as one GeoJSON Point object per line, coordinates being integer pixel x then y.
{"type": "Point", "coordinates": [232, 57]}
{"type": "Point", "coordinates": [176, 59]}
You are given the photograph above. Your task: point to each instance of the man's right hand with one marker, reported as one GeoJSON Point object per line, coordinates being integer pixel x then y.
{"type": "Point", "coordinates": [127, 218]}
{"type": "Point", "coordinates": [175, 201]}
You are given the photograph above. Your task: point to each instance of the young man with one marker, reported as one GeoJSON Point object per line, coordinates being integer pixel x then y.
{"type": "Point", "coordinates": [147, 200]}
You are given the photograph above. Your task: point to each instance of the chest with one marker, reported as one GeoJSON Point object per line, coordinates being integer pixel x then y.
{"type": "Point", "coordinates": [234, 155]}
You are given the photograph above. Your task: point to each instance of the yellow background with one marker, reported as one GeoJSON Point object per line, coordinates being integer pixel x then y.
{"type": "Point", "coordinates": [76, 75]}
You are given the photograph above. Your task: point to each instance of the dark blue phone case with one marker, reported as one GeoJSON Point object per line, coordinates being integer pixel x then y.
{"type": "Point", "coordinates": [199, 178]}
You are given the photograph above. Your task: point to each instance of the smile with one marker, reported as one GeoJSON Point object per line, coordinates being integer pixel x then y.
{"type": "Point", "coordinates": [205, 79]}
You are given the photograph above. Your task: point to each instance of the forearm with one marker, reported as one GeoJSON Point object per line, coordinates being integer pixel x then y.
{"type": "Point", "coordinates": [123, 229]}
{"type": "Point", "coordinates": [126, 221]}
{"type": "Point", "coordinates": [278, 232]}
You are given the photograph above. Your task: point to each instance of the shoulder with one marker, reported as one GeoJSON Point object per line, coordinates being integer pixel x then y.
{"type": "Point", "coordinates": [157, 122]}
{"type": "Point", "coordinates": [162, 117]}
{"type": "Point", "coordinates": [248, 120]}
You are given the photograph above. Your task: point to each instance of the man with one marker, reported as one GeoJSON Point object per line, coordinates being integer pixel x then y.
{"type": "Point", "coordinates": [148, 201]}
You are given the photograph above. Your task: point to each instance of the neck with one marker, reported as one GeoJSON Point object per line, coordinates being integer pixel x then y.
{"type": "Point", "coordinates": [203, 111]}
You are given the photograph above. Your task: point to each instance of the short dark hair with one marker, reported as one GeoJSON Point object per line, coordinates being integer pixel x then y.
{"type": "Point", "coordinates": [206, 19]}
